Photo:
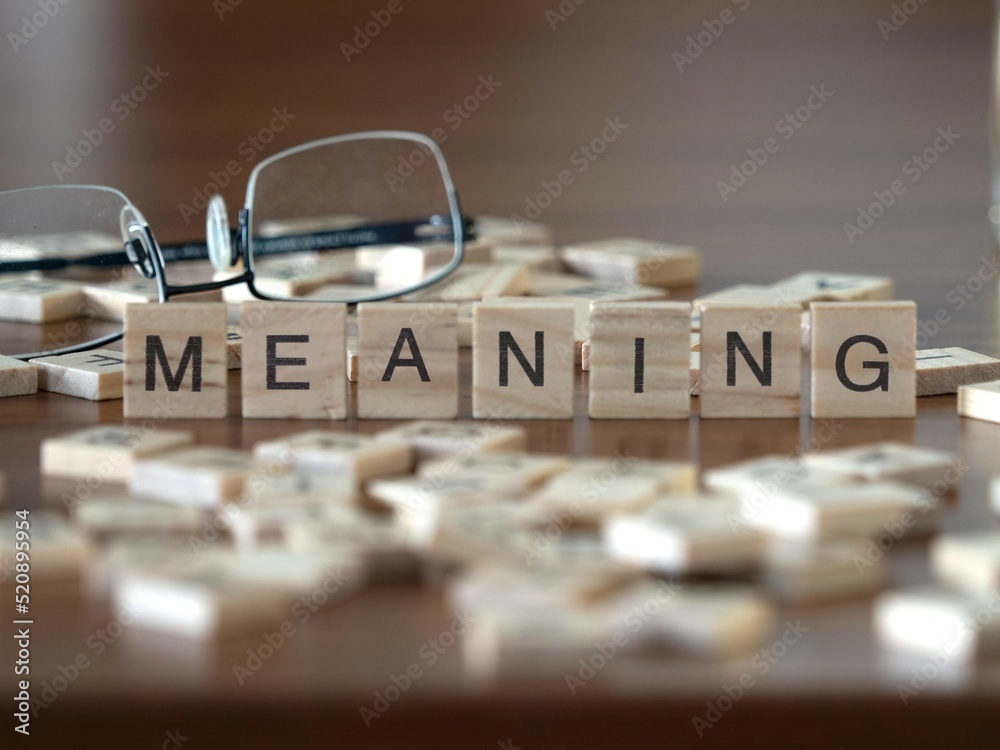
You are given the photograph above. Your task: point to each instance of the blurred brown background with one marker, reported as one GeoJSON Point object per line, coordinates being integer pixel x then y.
{"type": "Point", "coordinates": [230, 62]}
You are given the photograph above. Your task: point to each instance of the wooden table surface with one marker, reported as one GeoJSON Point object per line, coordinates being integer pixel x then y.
{"type": "Point", "coordinates": [686, 130]}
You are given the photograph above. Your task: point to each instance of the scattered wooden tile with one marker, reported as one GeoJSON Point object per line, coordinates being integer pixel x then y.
{"type": "Point", "coordinates": [100, 516]}
{"type": "Point", "coordinates": [823, 511]}
{"type": "Point", "coordinates": [505, 231]}
{"type": "Point", "coordinates": [107, 452]}
{"type": "Point", "coordinates": [175, 360]}
{"type": "Point", "coordinates": [831, 569]}
{"type": "Point", "coordinates": [760, 375]}
{"type": "Point", "coordinates": [95, 375]}
{"type": "Point", "coordinates": [759, 477]}
{"type": "Point", "coordinates": [482, 588]}
{"type": "Point", "coordinates": [408, 361]}
{"type": "Point", "coordinates": [431, 439]}
{"type": "Point", "coordinates": [711, 620]}
{"type": "Point", "coordinates": [640, 364]}
{"type": "Point", "coordinates": [741, 294]}
{"type": "Point", "coordinates": [17, 378]}
{"type": "Point", "coordinates": [816, 286]}
{"type": "Point", "coordinates": [504, 472]}
{"type": "Point", "coordinates": [968, 561]}
{"type": "Point", "coordinates": [380, 545]}
{"type": "Point", "coordinates": [542, 257]}
{"type": "Point", "coordinates": [293, 360]}
{"type": "Point", "coordinates": [354, 457]}
{"type": "Point", "coordinates": [203, 476]}
{"type": "Point", "coordinates": [930, 621]}
{"type": "Point", "coordinates": [635, 261]}
{"type": "Point", "coordinates": [57, 550]}
{"type": "Point", "coordinates": [234, 348]}
{"type": "Point", "coordinates": [253, 525]}
{"type": "Point", "coordinates": [476, 282]}
{"type": "Point", "coordinates": [31, 300]}
{"type": "Point", "coordinates": [685, 535]}
{"type": "Point", "coordinates": [863, 359]}
{"type": "Point", "coordinates": [980, 401]}
{"type": "Point", "coordinates": [489, 532]}
{"type": "Point", "coordinates": [941, 371]}
{"type": "Point", "coordinates": [106, 301]}
{"type": "Point", "coordinates": [523, 360]}
{"type": "Point", "coordinates": [900, 462]}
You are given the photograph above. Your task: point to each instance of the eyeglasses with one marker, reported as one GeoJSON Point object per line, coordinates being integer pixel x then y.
{"type": "Point", "coordinates": [353, 218]}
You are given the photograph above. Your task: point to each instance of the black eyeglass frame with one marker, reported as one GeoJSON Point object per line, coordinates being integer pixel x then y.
{"type": "Point", "coordinates": [149, 258]}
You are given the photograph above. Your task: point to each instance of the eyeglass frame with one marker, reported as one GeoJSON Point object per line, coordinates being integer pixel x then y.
{"type": "Point", "coordinates": [142, 239]}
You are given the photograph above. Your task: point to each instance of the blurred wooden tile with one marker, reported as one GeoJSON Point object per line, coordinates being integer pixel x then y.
{"type": "Point", "coordinates": [762, 476]}
{"type": "Point", "coordinates": [580, 497]}
{"type": "Point", "coordinates": [175, 360]}
{"type": "Point", "coordinates": [202, 476]}
{"type": "Point", "coordinates": [760, 372]}
{"type": "Point", "coordinates": [694, 372]}
{"type": "Point", "coordinates": [293, 356]}
{"type": "Point", "coordinates": [58, 551]}
{"type": "Point", "coordinates": [863, 359]}
{"type": "Point", "coordinates": [718, 621]}
{"type": "Point", "coordinates": [798, 572]}
{"type": "Point", "coordinates": [969, 561]}
{"type": "Point", "coordinates": [106, 451]}
{"type": "Point", "coordinates": [17, 378]}
{"type": "Point", "coordinates": [817, 286]}
{"type": "Point", "coordinates": [538, 383]}
{"type": "Point", "coordinates": [823, 511]}
{"type": "Point", "coordinates": [740, 294]}
{"type": "Point", "coordinates": [980, 401]}
{"type": "Point", "coordinates": [502, 230]}
{"type": "Point", "coordinates": [354, 457]}
{"type": "Point", "coordinates": [437, 439]}
{"type": "Point", "coordinates": [234, 348]}
{"type": "Point", "coordinates": [408, 361]}
{"type": "Point", "coordinates": [99, 516]}
{"type": "Point", "coordinates": [900, 462]}
{"type": "Point", "coordinates": [29, 300]}
{"type": "Point", "coordinates": [489, 532]}
{"type": "Point", "coordinates": [941, 371]}
{"type": "Point", "coordinates": [483, 588]}
{"type": "Point", "coordinates": [107, 301]}
{"type": "Point", "coordinates": [931, 621]}
{"type": "Point", "coordinates": [253, 525]}
{"type": "Point", "coordinates": [513, 472]}
{"type": "Point", "coordinates": [685, 535]}
{"type": "Point", "coordinates": [95, 375]}
{"type": "Point", "coordinates": [534, 256]}
{"type": "Point", "coordinates": [638, 361]}
{"type": "Point", "coordinates": [379, 545]}
{"type": "Point", "coordinates": [476, 282]}
{"type": "Point", "coordinates": [634, 261]}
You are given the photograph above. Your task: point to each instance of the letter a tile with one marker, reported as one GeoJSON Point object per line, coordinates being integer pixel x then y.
{"type": "Point", "coordinates": [407, 361]}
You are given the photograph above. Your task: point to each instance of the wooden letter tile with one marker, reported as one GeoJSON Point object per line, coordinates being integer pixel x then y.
{"type": "Point", "coordinates": [204, 476]}
{"type": "Point", "coordinates": [639, 360]}
{"type": "Point", "coordinates": [863, 359]}
{"type": "Point", "coordinates": [941, 371]}
{"type": "Point", "coordinates": [407, 361]}
{"type": "Point", "coordinates": [106, 451]}
{"type": "Point", "coordinates": [355, 457]}
{"type": "Point", "coordinates": [293, 360]}
{"type": "Point", "coordinates": [95, 375]}
{"type": "Point", "coordinates": [175, 360]}
{"type": "Point", "coordinates": [635, 261]}
{"type": "Point", "coordinates": [523, 360]}
{"type": "Point", "coordinates": [751, 360]}
{"type": "Point", "coordinates": [30, 300]}
{"type": "Point", "coordinates": [437, 439]}
{"type": "Point", "coordinates": [980, 401]}
{"type": "Point", "coordinates": [968, 561]}
{"type": "Point", "coordinates": [17, 378]}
